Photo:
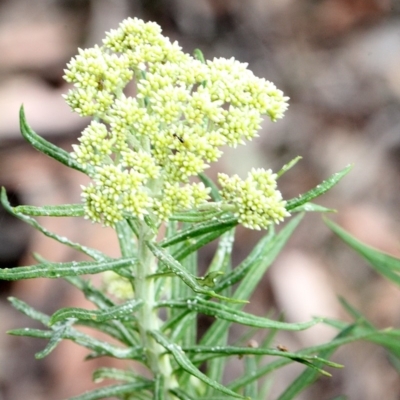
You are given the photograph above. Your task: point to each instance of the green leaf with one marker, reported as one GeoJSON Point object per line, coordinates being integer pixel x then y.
{"type": "Point", "coordinates": [29, 311]}
{"type": "Point", "coordinates": [56, 337]}
{"type": "Point", "coordinates": [30, 332]}
{"type": "Point", "coordinates": [114, 391]}
{"type": "Point", "coordinates": [100, 348]}
{"type": "Point", "coordinates": [64, 210]}
{"type": "Point", "coordinates": [196, 216]}
{"type": "Point", "coordinates": [384, 264]}
{"type": "Point", "coordinates": [288, 166]}
{"type": "Point", "coordinates": [180, 394]}
{"type": "Point", "coordinates": [95, 254]}
{"type": "Point", "coordinates": [58, 270]}
{"type": "Point", "coordinates": [267, 250]}
{"type": "Point", "coordinates": [309, 376]}
{"type": "Point", "coordinates": [311, 207]}
{"type": "Point", "coordinates": [215, 195]}
{"type": "Point", "coordinates": [159, 390]}
{"type": "Point", "coordinates": [184, 362]}
{"type": "Point", "coordinates": [195, 244]}
{"type": "Point", "coordinates": [98, 298]}
{"type": "Point", "coordinates": [116, 312]}
{"type": "Point", "coordinates": [181, 273]}
{"type": "Point", "coordinates": [253, 259]}
{"type": "Point", "coordinates": [350, 333]}
{"type": "Point", "coordinates": [318, 190]}
{"type": "Point", "coordinates": [231, 314]}
{"type": "Point", "coordinates": [118, 374]}
{"type": "Point", "coordinates": [46, 147]}
{"type": "Point", "coordinates": [126, 240]}
{"type": "Point", "coordinates": [250, 366]}
{"type": "Point", "coordinates": [225, 351]}
{"type": "Point", "coordinates": [199, 230]}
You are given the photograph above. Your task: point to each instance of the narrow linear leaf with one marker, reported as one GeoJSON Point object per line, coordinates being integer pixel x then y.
{"type": "Point", "coordinates": [288, 166]}
{"type": "Point", "coordinates": [225, 351]}
{"type": "Point", "coordinates": [98, 298]}
{"type": "Point", "coordinates": [383, 263]}
{"type": "Point", "coordinates": [114, 391]}
{"type": "Point", "coordinates": [56, 337]}
{"type": "Point", "coordinates": [215, 195]}
{"type": "Point", "coordinates": [350, 333]}
{"type": "Point", "coordinates": [181, 395]}
{"type": "Point", "coordinates": [29, 311]}
{"type": "Point", "coordinates": [100, 348]}
{"type": "Point", "coordinates": [200, 229]}
{"type": "Point", "coordinates": [95, 254]}
{"type": "Point", "coordinates": [307, 377]}
{"type": "Point", "coordinates": [116, 312]}
{"type": "Point", "coordinates": [311, 207]}
{"type": "Point", "coordinates": [184, 362]}
{"type": "Point", "coordinates": [250, 366]}
{"type": "Point", "coordinates": [46, 147]}
{"type": "Point", "coordinates": [253, 276]}
{"type": "Point", "coordinates": [117, 374]}
{"type": "Point", "coordinates": [30, 332]}
{"type": "Point", "coordinates": [159, 387]}
{"type": "Point", "coordinates": [231, 314]}
{"type": "Point", "coordinates": [126, 240]}
{"type": "Point", "coordinates": [193, 245]}
{"type": "Point", "coordinates": [253, 259]}
{"type": "Point", "coordinates": [58, 270]}
{"type": "Point", "coordinates": [64, 210]}
{"type": "Point", "coordinates": [196, 216]}
{"type": "Point", "coordinates": [318, 190]}
{"type": "Point", "coordinates": [181, 273]}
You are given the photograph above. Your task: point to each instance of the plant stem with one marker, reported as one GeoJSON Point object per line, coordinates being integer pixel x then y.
{"type": "Point", "coordinates": [157, 360]}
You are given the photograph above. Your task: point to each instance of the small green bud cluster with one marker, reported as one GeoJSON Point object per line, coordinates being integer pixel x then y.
{"type": "Point", "coordinates": [144, 151]}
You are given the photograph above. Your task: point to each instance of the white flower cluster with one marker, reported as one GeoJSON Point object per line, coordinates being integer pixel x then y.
{"type": "Point", "coordinates": [145, 149]}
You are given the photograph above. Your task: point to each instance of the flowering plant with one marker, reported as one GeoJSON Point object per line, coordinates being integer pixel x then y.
{"type": "Point", "coordinates": [159, 118]}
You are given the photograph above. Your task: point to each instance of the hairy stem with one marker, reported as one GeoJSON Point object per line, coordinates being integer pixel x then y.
{"type": "Point", "coordinates": [148, 320]}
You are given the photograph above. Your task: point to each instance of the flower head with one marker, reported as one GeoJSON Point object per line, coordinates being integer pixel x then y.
{"type": "Point", "coordinates": [145, 150]}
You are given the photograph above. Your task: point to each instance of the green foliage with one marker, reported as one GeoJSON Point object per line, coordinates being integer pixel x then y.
{"type": "Point", "coordinates": [221, 294]}
{"type": "Point", "coordinates": [157, 327]}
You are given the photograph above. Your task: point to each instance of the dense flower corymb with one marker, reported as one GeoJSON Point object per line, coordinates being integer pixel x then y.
{"type": "Point", "coordinates": [143, 151]}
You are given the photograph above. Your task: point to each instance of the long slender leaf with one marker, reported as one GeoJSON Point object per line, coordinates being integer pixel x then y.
{"type": "Point", "coordinates": [231, 314]}
{"type": "Point", "coordinates": [98, 298]}
{"type": "Point", "coordinates": [126, 240]}
{"type": "Point", "coordinates": [226, 351]}
{"type": "Point", "coordinates": [56, 337]}
{"type": "Point", "coordinates": [58, 270]}
{"type": "Point", "coordinates": [215, 195]}
{"type": "Point", "coordinates": [181, 273]}
{"type": "Point", "coordinates": [200, 229]}
{"type": "Point", "coordinates": [117, 374]}
{"type": "Point", "coordinates": [29, 311]}
{"type": "Point", "coordinates": [114, 391]}
{"type": "Point", "coordinates": [119, 312]}
{"type": "Point", "coordinates": [384, 264]}
{"type": "Point", "coordinates": [318, 190]}
{"type": "Point", "coordinates": [196, 244]}
{"type": "Point", "coordinates": [250, 366]}
{"type": "Point", "coordinates": [352, 334]}
{"type": "Point", "coordinates": [184, 362]}
{"type": "Point", "coordinates": [309, 376]}
{"type": "Point", "coordinates": [64, 210]}
{"type": "Point", "coordinates": [253, 276]}
{"type": "Point", "coordinates": [46, 147]}
{"type": "Point", "coordinates": [95, 254]}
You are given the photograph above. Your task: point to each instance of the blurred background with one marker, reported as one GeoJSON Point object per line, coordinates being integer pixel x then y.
{"type": "Point", "coordinates": [338, 60]}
